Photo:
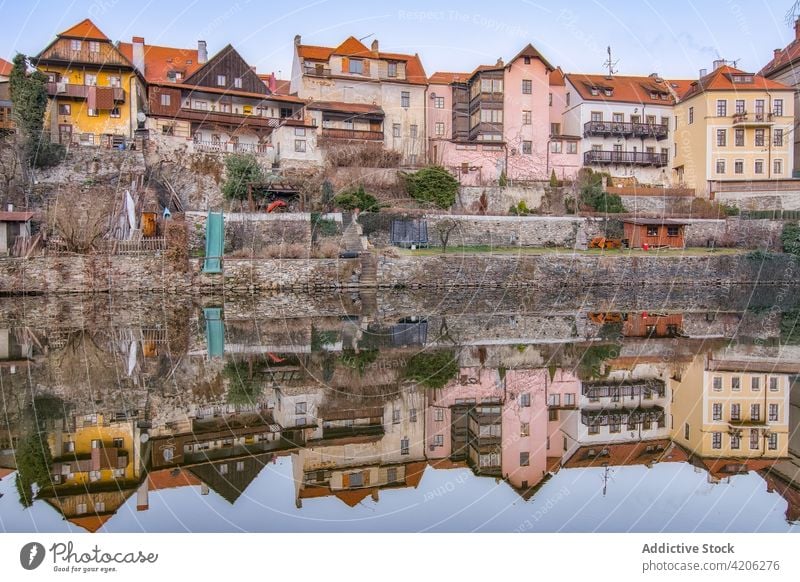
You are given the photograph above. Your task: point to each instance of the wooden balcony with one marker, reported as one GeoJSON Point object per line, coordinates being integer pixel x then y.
{"type": "Point", "coordinates": [625, 129]}
{"type": "Point", "coordinates": [219, 147]}
{"type": "Point", "coordinates": [81, 91]}
{"type": "Point", "coordinates": [359, 134]}
{"type": "Point", "coordinates": [745, 119]}
{"type": "Point", "coordinates": [626, 158]}
{"type": "Point", "coordinates": [622, 416]}
{"type": "Point", "coordinates": [230, 119]}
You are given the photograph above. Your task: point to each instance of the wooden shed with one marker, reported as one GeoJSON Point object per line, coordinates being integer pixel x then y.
{"type": "Point", "coordinates": [655, 232]}
{"type": "Point", "coordinates": [12, 225]}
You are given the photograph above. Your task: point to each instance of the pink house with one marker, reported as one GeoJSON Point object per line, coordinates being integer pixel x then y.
{"type": "Point", "coordinates": [493, 120]}
{"type": "Point", "coordinates": [563, 157]}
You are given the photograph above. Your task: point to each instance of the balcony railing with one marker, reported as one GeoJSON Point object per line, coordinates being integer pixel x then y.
{"type": "Point", "coordinates": [622, 416]}
{"type": "Point", "coordinates": [336, 133]}
{"type": "Point", "coordinates": [234, 119]}
{"type": "Point", "coordinates": [654, 388]}
{"type": "Point", "coordinates": [625, 129]}
{"type": "Point", "coordinates": [317, 71]}
{"type": "Point", "coordinates": [752, 119]}
{"type": "Point", "coordinates": [81, 91]}
{"type": "Point", "coordinates": [630, 158]}
{"type": "Point", "coordinates": [219, 147]}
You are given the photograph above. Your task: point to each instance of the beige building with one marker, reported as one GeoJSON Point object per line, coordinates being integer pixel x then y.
{"type": "Point", "coordinates": [732, 126]}
{"type": "Point", "coordinates": [730, 409]}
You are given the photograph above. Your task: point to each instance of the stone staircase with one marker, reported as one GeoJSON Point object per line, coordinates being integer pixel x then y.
{"type": "Point", "coordinates": [352, 239]}
{"type": "Point", "coordinates": [369, 270]}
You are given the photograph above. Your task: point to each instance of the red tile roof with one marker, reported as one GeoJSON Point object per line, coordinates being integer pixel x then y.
{"type": "Point", "coordinates": [721, 79]}
{"type": "Point", "coordinates": [282, 86]}
{"type": "Point", "coordinates": [352, 47]}
{"type": "Point", "coordinates": [314, 53]}
{"type": "Point", "coordinates": [158, 60]}
{"type": "Point", "coordinates": [91, 523]}
{"type": "Point", "coordinates": [171, 478]}
{"type": "Point", "coordinates": [782, 58]}
{"type": "Point", "coordinates": [342, 107]}
{"type": "Point", "coordinates": [15, 216]}
{"type": "Point", "coordinates": [222, 90]}
{"type": "Point", "coordinates": [557, 78]}
{"type": "Point", "coordinates": [624, 89]}
{"type": "Point", "coordinates": [445, 78]}
{"type": "Point", "coordinates": [85, 30]}
{"type": "Point", "coordinates": [680, 86]}
{"type": "Point", "coordinates": [5, 68]}
{"type": "Point", "coordinates": [4, 472]}
{"type": "Point", "coordinates": [620, 454]}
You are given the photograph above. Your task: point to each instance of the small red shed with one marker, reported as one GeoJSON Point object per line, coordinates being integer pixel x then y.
{"type": "Point", "coordinates": [655, 232]}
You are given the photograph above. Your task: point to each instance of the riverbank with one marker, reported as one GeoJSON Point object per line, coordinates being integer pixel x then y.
{"type": "Point", "coordinates": [546, 271]}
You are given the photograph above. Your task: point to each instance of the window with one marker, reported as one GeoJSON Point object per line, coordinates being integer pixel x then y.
{"type": "Point", "coordinates": [356, 479]}
{"type": "Point", "coordinates": [735, 442]}
{"type": "Point", "coordinates": [777, 137]}
{"type": "Point", "coordinates": [555, 129]}
{"type": "Point", "coordinates": [438, 414]}
{"type": "Point", "coordinates": [220, 80]}
{"type": "Point", "coordinates": [286, 112]}
{"type": "Point", "coordinates": [736, 412]}
{"type": "Point", "coordinates": [237, 82]}
{"type": "Point", "coordinates": [738, 137]}
{"type": "Point", "coordinates": [691, 115]}
{"type": "Point", "coordinates": [594, 91]}
{"type": "Point", "coordinates": [614, 427]}
{"type": "Point", "coordinates": [722, 108]}
{"type": "Point", "coordinates": [755, 384]}
{"type": "Point", "coordinates": [114, 81]}
{"type": "Point", "coordinates": [301, 408]}
{"type": "Point", "coordinates": [64, 109]}
{"type": "Point", "coordinates": [438, 103]}
{"type": "Point", "coordinates": [239, 466]}
{"type": "Point", "coordinates": [412, 415]}
{"type": "Point", "coordinates": [201, 105]}
{"type": "Point", "coordinates": [594, 429]}
{"type": "Point", "coordinates": [738, 167]}
{"type": "Point", "coordinates": [759, 108]}
{"type": "Point", "coordinates": [524, 459]}
{"type": "Point", "coordinates": [773, 442]}
{"type": "Point", "coordinates": [597, 116]}
{"type": "Point", "coordinates": [773, 413]}
{"type": "Point", "coordinates": [552, 414]}
{"type": "Point", "coordinates": [524, 429]}
{"type": "Point", "coordinates": [568, 94]}
{"type": "Point", "coordinates": [223, 469]}
{"type": "Point", "coordinates": [99, 506]}
{"type": "Point", "coordinates": [403, 446]}
{"type": "Point", "coordinates": [97, 444]}
{"type": "Point", "coordinates": [526, 60]}
{"type": "Point", "coordinates": [686, 431]}
{"type": "Point", "coordinates": [736, 383]}
{"type": "Point", "coordinates": [396, 130]}
{"type": "Point", "coordinates": [527, 147]}
{"type": "Point", "coordinates": [722, 138]}
{"type": "Point", "coordinates": [391, 70]}
{"type": "Point", "coordinates": [527, 117]}
{"type": "Point", "coordinates": [554, 400]}
{"type": "Point", "coordinates": [118, 473]}
{"type": "Point", "coordinates": [759, 167]}
{"type": "Point", "coordinates": [300, 421]}
{"type": "Point", "coordinates": [572, 147]}
{"type": "Point", "coordinates": [716, 440]}
{"type": "Point", "coordinates": [717, 383]}
{"type": "Point", "coordinates": [720, 166]}
{"type": "Point", "coordinates": [440, 128]}
{"type": "Point", "coordinates": [527, 86]}
{"type": "Point", "coordinates": [438, 440]}
{"type": "Point", "coordinates": [413, 129]}
{"type": "Point", "coordinates": [777, 107]}
{"type": "Point", "coordinates": [356, 67]}
{"type": "Point", "coordinates": [550, 99]}
{"type": "Point", "coordinates": [754, 439]}
{"type": "Point", "coordinates": [716, 411]}
{"type": "Point", "coordinates": [759, 138]}
{"type": "Point", "coordinates": [405, 99]}
{"type": "Point", "coordinates": [755, 412]}
{"type": "Point", "coordinates": [165, 100]}
{"type": "Point", "coordinates": [525, 399]}
{"type": "Point", "coordinates": [773, 384]}
{"type": "Point", "coordinates": [617, 117]}
{"type": "Point", "coordinates": [396, 416]}
{"type": "Point", "coordinates": [75, 45]}
{"type": "Point", "coordinates": [118, 443]}
{"type": "Point", "coordinates": [89, 79]}
{"type": "Point", "coordinates": [114, 112]}
{"type": "Point", "coordinates": [777, 166]}
{"type": "Point", "coordinates": [740, 106]}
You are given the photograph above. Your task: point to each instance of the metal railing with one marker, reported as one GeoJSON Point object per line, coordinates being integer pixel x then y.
{"type": "Point", "coordinates": [625, 157]}
{"type": "Point", "coordinates": [603, 128]}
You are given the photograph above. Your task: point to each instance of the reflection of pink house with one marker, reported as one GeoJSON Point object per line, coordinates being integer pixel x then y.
{"type": "Point", "coordinates": [493, 119]}
{"type": "Point", "coordinates": [562, 149]}
{"type": "Point", "coordinates": [563, 392]}
{"type": "Point", "coordinates": [497, 425]}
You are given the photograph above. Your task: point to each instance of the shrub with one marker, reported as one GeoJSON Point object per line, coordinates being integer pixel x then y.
{"type": "Point", "coordinates": [326, 250]}
{"type": "Point", "coordinates": [358, 361]}
{"type": "Point", "coordinates": [502, 181]}
{"type": "Point", "coordinates": [790, 327]}
{"type": "Point", "coordinates": [357, 199]}
{"type": "Point", "coordinates": [323, 226]}
{"type": "Point", "coordinates": [553, 179]}
{"type": "Point", "coordinates": [432, 185]}
{"type": "Point", "coordinates": [790, 238]}
{"type": "Point", "coordinates": [599, 201]}
{"type": "Point", "coordinates": [520, 209]}
{"type": "Point", "coordinates": [240, 171]}
{"type": "Point", "coordinates": [432, 369]}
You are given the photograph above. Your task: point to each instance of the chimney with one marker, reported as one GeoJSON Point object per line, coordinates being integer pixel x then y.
{"type": "Point", "coordinates": [375, 45]}
{"type": "Point", "coordinates": [202, 52]}
{"type": "Point", "coordinates": [297, 40]}
{"type": "Point", "coordinates": [273, 85]}
{"type": "Point", "coordinates": [138, 53]}
{"type": "Point", "coordinates": [499, 63]}
{"type": "Point", "coordinates": [203, 489]}
{"type": "Point", "coordinates": [776, 53]}
{"type": "Point", "coordinates": [797, 29]}
{"type": "Point", "coordinates": [143, 496]}
{"type": "Point", "coordinates": [703, 72]}
{"type": "Point", "coordinates": [718, 63]}
{"type": "Point", "coordinates": [10, 207]}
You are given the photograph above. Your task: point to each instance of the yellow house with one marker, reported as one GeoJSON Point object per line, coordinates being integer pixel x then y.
{"type": "Point", "coordinates": [733, 126]}
{"type": "Point", "coordinates": [95, 93]}
{"type": "Point", "coordinates": [732, 410]}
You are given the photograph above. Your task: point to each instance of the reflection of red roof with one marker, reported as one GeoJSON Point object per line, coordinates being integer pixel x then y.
{"type": "Point", "coordinates": [445, 78]}
{"type": "Point", "coordinates": [721, 79]}
{"type": "Point", "coordinates": [91, 523]}
{"type": "Point", "coordinates": [171, 478]}
{"type": "Point", "coordinates": [85, 30]}
{"type": "Point", "coordinates": [726, 467]}
{"type": "Point", "coordinates": [786, 489]}
{"type": "Point", "coordinates": [623, 454]}
{"type": "Point", "coordinates": [159, 60]}
{"type": "Point", "coordinates": [5, 68]}
{"type": "Point", "coordinates": [6, 472]}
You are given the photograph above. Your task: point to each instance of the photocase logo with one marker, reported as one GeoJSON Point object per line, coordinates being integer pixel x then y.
{"type": "Point", "coordinates": [31, 555]}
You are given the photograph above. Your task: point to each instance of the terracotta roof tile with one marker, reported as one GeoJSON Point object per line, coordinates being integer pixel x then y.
{"type": "Point", "coordinates": [445, 78]}
{"type": "Point", "coordinates": [622, 454]}
{"type": "Point", "coordinates": [203, 89]}
{"type": "Point", "coordinates": [624, 89]}
{"type": "Point", "coordinates": [4, 472]}
{"type": "Point", "coordinates": [85, 30]}
{"type": "Point", "coordinates": [314, 53]}
{"type": "Point", "coordinates": [91, 523]}
{"type": "Point", "coordinates": [171, 478]}
{"type": "Point", "coordinates": [782, 59]}
{"type": "Point", "coordinates": [721, 79]}
{"type": "Point", "coordinates": [680, 86]}
{"type": "Point", "coordinates": [557, 78]}
{"type": "Point", "coordinates": [342, 107]}
{"type": "Point", "coordinates": [354, 48]}
{"type": "Point", "coordinates": [15, 216]}
{"type": "Point", "coordinates": [5, 68]}
{"type": "Point", "coordinates": [282, 86]}
{"type": "Point", "coordinates": [159, 60]}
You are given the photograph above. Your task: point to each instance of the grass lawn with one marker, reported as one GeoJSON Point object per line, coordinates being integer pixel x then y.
{"type": "Point", "coordinates": [485, 249]}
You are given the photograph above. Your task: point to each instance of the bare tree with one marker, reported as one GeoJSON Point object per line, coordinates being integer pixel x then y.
{"type": "Point", "coordinates": [82, 217]}
{"type": "Point", "coordinates": [444, 228]}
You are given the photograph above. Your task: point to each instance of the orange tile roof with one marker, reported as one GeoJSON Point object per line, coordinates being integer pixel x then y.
{"type": "Point", "coordinates": [353, 497]}
{"type": "Point", "coordinates": [314, 53]}
{"type": "Point", "coordinates": [353, 47]}
{"type": "Point", "coordinates": [5, 68]}
{"type": "Point", "coordinates": [222, 90]}
{"type": "Point", "coordinates": [720, 79]}
{"type": "Point", "coordinates": [623, 454]}
{"type": "Point", "coordinates": [557, 78]}
{"type": "Point", "coordinates": [158, 60]}
{"type": "Point", "coordinates": [781, 59]}
{"type": "Point", "coordinates": [91, 523]}
{"type": "Point", "coordinates": [342, 107]}
{"type": "Point", "coordinates": [445, 78]}
{"type": "Point", "coordinates": [720, 468]}
{"type": "Point", "coordinates": [625, 89]}
{"type": "Point", "coordinates": [85, 30]}
{"type": "Point", "coordinates": [171, 478]}
{"type": "Point", "coordinates": [680, 86]}
{"type": "Point", "coordinates": [282, 86]}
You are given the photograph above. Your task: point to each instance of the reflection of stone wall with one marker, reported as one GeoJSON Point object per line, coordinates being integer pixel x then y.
{"type": "Point", "coordinates": [257, 229]}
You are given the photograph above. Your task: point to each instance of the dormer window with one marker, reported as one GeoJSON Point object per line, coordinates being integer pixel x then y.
{"type": "Point", "coordinates": [594, 91]}
{"type": "Point", "coordinates": [742, 78]}
{"type": "Point", "coordinates": [391, 69]}
{"type": "Point", "coordinates": [188, 61]}
{"type": "Point", "coordinates": [608, 92]}
{"type": "Point", "coordinates": [653, 95]}
{"type": "Point", "coordinates": [356, 66]}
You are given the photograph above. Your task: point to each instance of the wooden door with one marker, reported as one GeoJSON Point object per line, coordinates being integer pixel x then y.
{"type": "Point", "coordinates": [65, 134]}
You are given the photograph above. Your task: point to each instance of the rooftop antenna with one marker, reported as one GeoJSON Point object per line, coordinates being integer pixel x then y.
{"type": "Point", "coordinates": [610, 63]}
{"type": "Point", "coordinates": [363, 37]}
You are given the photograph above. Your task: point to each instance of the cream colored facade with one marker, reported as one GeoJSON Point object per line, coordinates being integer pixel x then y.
{"type": "Point", "coordinates": [719, 412]}
{"type": "Point", "coordinates": [739, 134]}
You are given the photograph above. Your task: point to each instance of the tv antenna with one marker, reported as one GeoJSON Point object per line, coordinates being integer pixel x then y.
{"type": "Point", "coordinates": [610, 63]}
{"type": "Point", "coordinates": [364, 37]}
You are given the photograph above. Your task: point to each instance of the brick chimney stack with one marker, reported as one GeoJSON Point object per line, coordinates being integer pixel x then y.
{"type": "Point", "coordinates": [797, 29]}
{"type": "Point", "coordinates": [375, 45]}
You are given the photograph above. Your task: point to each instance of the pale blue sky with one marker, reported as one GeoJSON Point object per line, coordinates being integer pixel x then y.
{"type": "Point", "coordinates": [673, 38]}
